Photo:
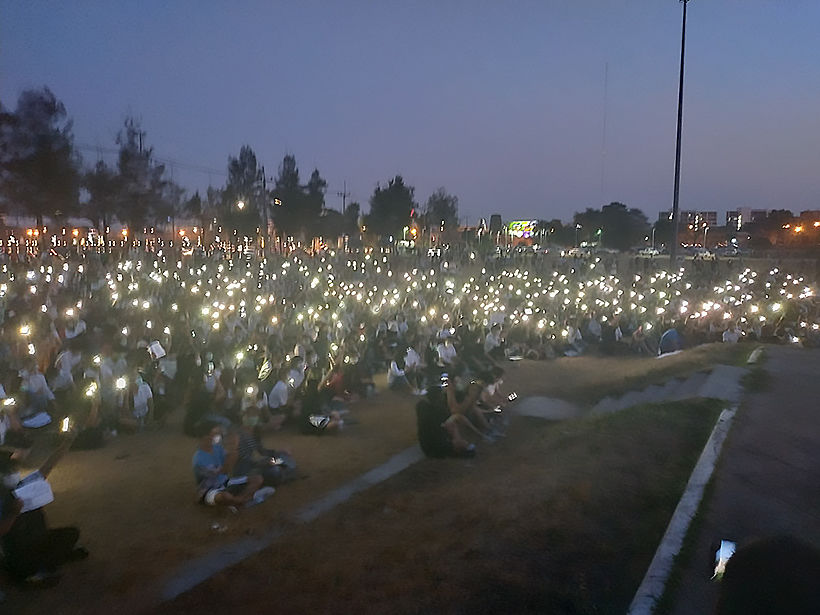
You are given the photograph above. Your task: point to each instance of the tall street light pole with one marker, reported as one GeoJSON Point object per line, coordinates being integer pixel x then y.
{"type": "Point", "coordinates": [673, 251]}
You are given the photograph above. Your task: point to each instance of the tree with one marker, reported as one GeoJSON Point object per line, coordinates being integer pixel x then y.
{"type": "Point", "coordinates": [441, 213]}
{"type": "Point", "coordinates": [614, 226]}
{"type": "Point", "coordinates": [103, 187]}
{"type": "Point", "coordinates": [351, 220]}
{"type": "Point", "coordinates": [39, 168]}
{"type": "Point", "coordinates": [291, 197]}
{"type": "Point", "coordinates": [554, 232]}
{"type": "Point", "coordinates": [776, 227]}
{"type": "Point", "coordinates": [143, 189]}
{"type": "Point", "coordinates": [390, 208]}
{"type": "Point", "coordinates": [244, 186]}
{"type": "Point", "coordinates": [314, 202]}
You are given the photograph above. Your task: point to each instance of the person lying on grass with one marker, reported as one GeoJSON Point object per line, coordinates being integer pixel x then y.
{"type": "Point", "coordinates": [213, 465]}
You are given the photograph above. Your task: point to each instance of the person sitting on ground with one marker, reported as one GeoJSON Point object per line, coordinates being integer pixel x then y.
{"type": "Point", "coordinates": [732, 334]}
{"type": "Point", "coordinates": [492, 396]}
{"type": "Point", "coordinates": [639, 342]}
{"type": "Point", "coordinates": [438, 430]}
{"type": "Point", "coordinates": [33, 551]}
{"type": "Point", "coordinates": [493, 343]}
{"type": "Point", "coordinates": [39, 397]}
{"type": "Point", "coordinates": [446, 351]}
{"type": "Point", "coordinates": [594, 330]}
{"type": "Point", "coordinates": [213, 465]}
{"type": "Point", "coordinates": [462, 397]}
{"type": "Point", "coordinates": [275, 466]}
{"type": "Point", "coordinates": [671, 340]}
{"type": "Point", "coordinates": [279, 403]}
{"type": "Point", "coordinates": [316, 418]}
{"type": "Point", "coordinates": [85, 414]}
{"type": "Point", "coordinates": [396, 375]}
{"type": "Point", "coordinates": [575, 342]}
{"type": "Point", "coordinates": [413, 367]}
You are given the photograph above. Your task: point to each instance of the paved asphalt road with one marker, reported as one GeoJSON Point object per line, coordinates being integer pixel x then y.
{"type": "Point", "coordinates": [766, 482]}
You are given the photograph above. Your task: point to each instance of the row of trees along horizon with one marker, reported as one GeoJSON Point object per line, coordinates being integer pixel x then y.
{"type": "Point", "coordinates": [42, 174]}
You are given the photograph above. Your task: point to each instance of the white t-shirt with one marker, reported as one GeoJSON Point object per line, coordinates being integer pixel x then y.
{"type": "Point", "coordinates": [35, 384]}
{"type": "Point", "coordinates": [394, 373]}
{"type": "Point", "coordinates": [278, 396]}
{"type": "Point", "coordinates": [731, 337]}
{"type": "Point", "coordinates": [446, 353]}
{"type": "Point", "coordinates": [491, 341]}
{"type": "Point", "coordinates": [141, 397]}
{"type": "Point", "coordinates": [594, 328]}
{"type": "Point", "coordinates": [78, 329]}
{"type": "Point", "coordinates": [412, 359]}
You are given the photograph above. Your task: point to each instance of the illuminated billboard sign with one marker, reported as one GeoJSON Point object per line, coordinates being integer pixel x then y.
{"type": "Point", "coordinates": [522, 228]}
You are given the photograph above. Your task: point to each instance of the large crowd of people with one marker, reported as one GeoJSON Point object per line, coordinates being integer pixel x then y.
{"type": "Point", "coordinates": [98, 346]}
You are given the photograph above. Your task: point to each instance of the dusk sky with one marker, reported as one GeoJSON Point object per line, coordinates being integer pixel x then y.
{"type": "Point", "coordinates": [502, 103]}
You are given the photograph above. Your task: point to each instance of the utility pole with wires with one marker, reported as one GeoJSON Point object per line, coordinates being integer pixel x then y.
{"type": "Point", "coordinates": [344, 194]}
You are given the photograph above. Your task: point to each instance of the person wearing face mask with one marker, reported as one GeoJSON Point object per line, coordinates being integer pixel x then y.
{"type": "Point", "coordinates": [213, 466]}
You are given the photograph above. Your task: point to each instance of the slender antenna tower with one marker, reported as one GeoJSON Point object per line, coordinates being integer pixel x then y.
{"type": "Point", "coordinates": [603, 133]}
{"type": "Point", "coordinates": [344, 194]}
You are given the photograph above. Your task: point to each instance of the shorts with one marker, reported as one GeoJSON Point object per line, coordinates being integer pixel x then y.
{"type": "Point", "coordinates": [209, 497]}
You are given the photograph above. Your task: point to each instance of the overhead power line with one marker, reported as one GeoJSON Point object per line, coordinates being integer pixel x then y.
{"type": "Point", "coordinates": [187, 166]}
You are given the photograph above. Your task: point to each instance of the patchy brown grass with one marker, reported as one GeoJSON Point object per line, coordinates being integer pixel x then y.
{"type": "Point", "coordinates": [558, 518]}
{"type": "Point", "coordinates": [134, 499]}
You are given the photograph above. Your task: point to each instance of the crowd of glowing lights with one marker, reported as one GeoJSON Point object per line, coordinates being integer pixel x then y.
{"type": "Point", "coordinates": [242, 302]}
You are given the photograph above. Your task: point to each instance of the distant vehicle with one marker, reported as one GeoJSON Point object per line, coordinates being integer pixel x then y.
{"type": "Point", "coordinates": [648, 252]}
{"type": "Point", "coordinates": [702, 254]}
{"type": "Point", "coordinates": [729, 251]}
{"type": "Point", "coordinates": [578, 253]}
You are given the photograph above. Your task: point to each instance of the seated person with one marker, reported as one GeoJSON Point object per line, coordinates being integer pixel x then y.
{"type": "Point", "coordinates": [39, 397]}
{"type": "Point", "coordinates": [439, 421]}
{"type": "Point", "coordinates": [594, 329]}
{"type": "Point", "coordinates": [33, 551]}
{"type": "Point", "coordinates": [639, 342]}
{"type": "Point", "coordinates": [575, 342]}
{"type": "Point", "coordinates": [85, 415]}
{"type": "Point", "coordinates": [494, 343]}
{"type": "Point", "coordinates": [275, 466]}
{"type": "Point", "coordinates": [279, 402]}
{"type": "Point", "coordinates": [413, 367]}
{"type": "Point", "coordinates": [396, 374]}
{"type": "Point", "coordinates": [732, 333]}
{"type": "Point", "coordinates": [492, 396]}
{"type": "Point", "coordinates": [212, 467]}
{"type": "Point", "coordinates": [462, 397]}
{"type": "Point", "coordinates": [670, 341]}
{"type": "Point", "coordinates": [446, 351]}
{"type": "Point", "coordinates": [315, 417]}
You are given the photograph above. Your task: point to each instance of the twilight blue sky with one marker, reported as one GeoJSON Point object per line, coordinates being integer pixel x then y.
{"type": "Point", "coordinates": [502, 102]}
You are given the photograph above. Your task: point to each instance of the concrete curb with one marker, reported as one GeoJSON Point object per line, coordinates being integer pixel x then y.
{"type": "Point", "coordinates": [755, 355]}
{"type": "Point", "coordinates": [654, 581]}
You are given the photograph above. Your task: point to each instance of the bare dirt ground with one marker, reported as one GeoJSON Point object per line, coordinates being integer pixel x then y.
{"type": "Point", "coordinates": [134, 504]}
